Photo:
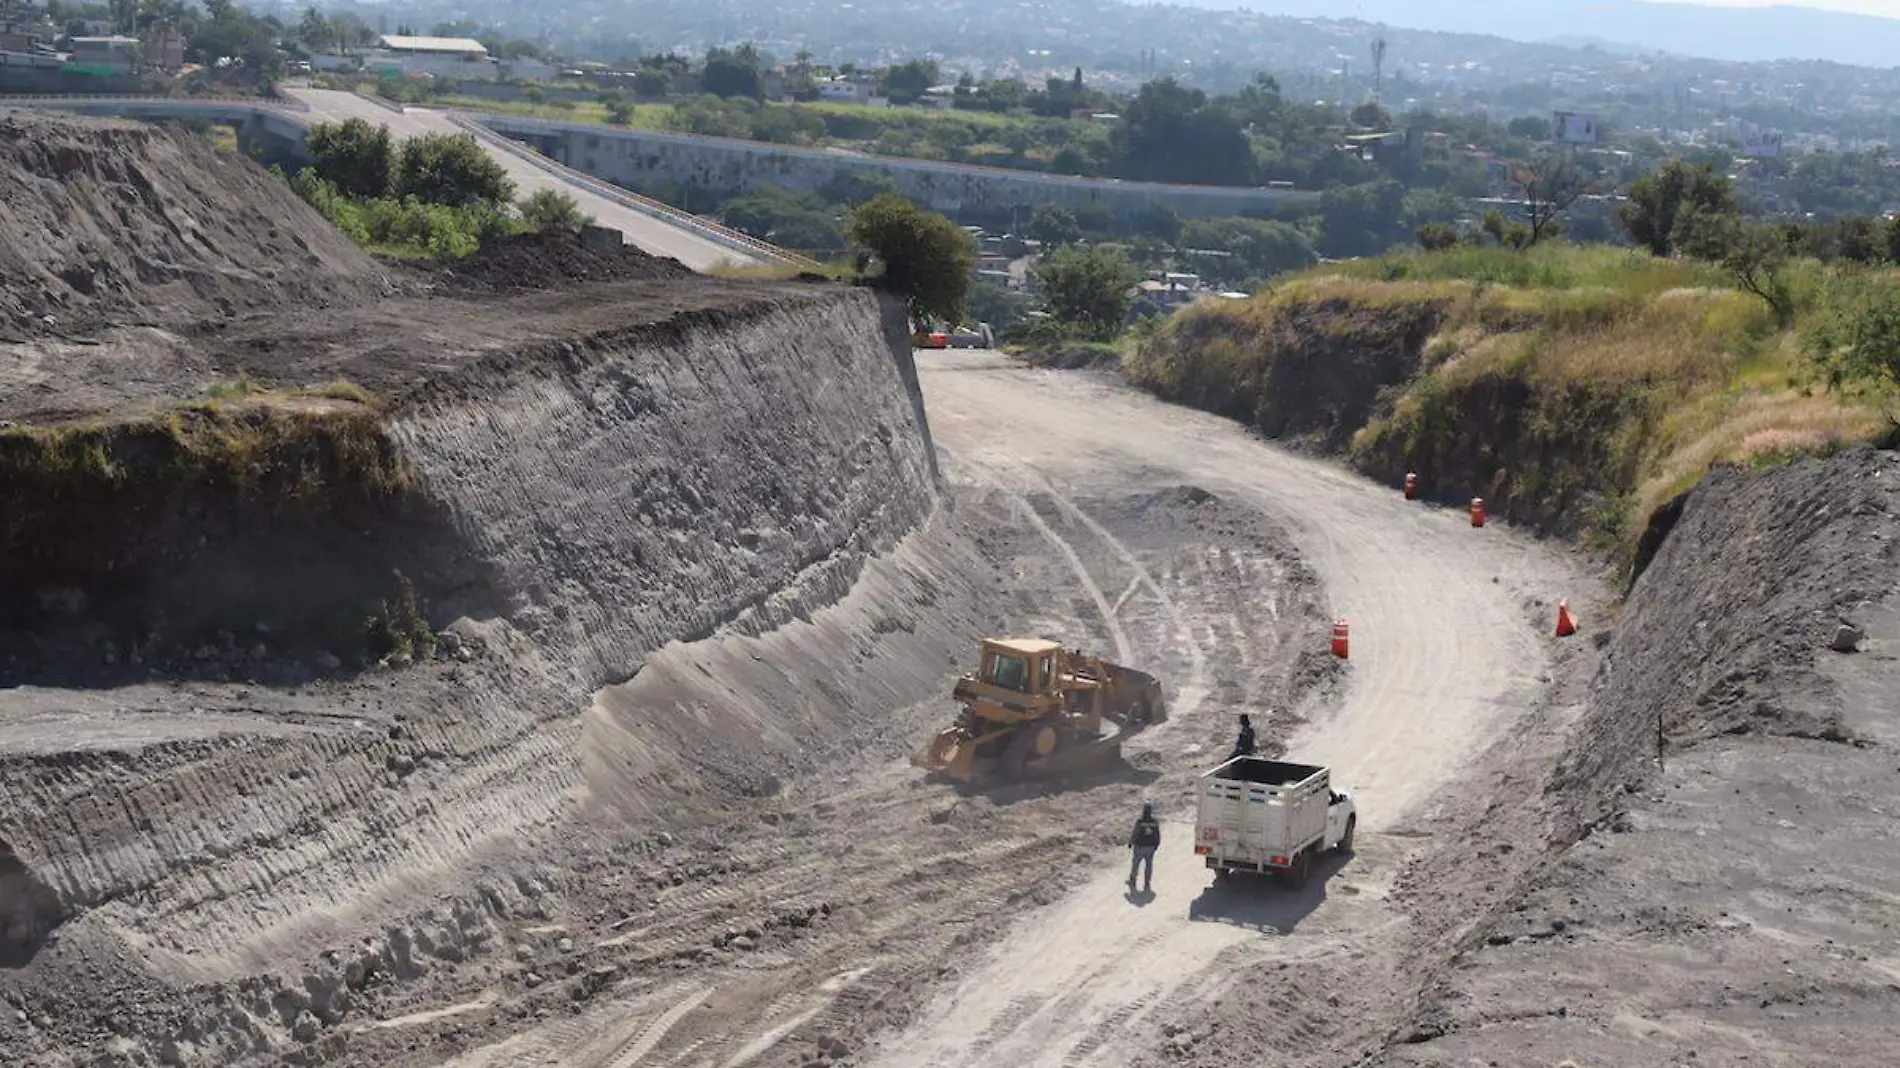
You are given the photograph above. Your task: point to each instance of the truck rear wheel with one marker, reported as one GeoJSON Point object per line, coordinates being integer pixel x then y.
{"type": "Point", "coordinates": [1296, 875]}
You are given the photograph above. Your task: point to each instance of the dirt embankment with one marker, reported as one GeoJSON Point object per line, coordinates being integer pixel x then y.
{"type": "Point", "coordinates": [1681, 854]}
{"type": "Point", "coordinates": [225, 828]}
{"type": "Point", "coordinates": [1574, 411]}
{"type": "Point", "coordinates": [120, 223]}
{"type": "Point", "coordinates": [1713, 881]}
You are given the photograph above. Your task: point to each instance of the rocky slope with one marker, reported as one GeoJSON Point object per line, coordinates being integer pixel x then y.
{"type": "Point", "coordinates": [544, 517]}
{"type": "Point", "coordinates": [114, 222]}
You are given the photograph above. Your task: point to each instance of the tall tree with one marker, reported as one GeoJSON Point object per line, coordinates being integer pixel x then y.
{"type": "Point", "coordinates": [1549, 186]}
{"type": "Point", "coordinates": [1088, 288]}
{"type": "Point", "coordinates": [1172, 133]}
{"type": "Point", "coordinates": [733, 73]}
{"type": "Point", "coordinates": [916, 255]}
{"type": "Point", "coordinates": [1657, 200]}
{"type": "Point", "coordinates": [357, 158]}
{"type": "Point", "coordinates": [451, 169]}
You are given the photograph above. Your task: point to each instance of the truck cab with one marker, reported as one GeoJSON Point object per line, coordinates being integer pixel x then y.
{"type": "Point", "coordinates": [1271, 817]}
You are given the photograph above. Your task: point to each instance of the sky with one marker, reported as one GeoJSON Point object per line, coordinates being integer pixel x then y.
{"type": "Point", "coordinates": [1883, 8]}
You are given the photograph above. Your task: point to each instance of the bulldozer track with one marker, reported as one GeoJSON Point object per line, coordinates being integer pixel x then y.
{"type": "Point", "coordinates": [1193, 692]}
{"type": "Point", "coordinates": [1112, 1027]}
{"type": "Point", "coordinates": [637, 1048]}
{"type": "Point", "coordinates": [1124, 649]}
{"type": "Point", "coordinates": [641, 1044]}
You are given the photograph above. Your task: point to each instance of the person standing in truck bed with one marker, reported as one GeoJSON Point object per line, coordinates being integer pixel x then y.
{"type": "Point", "coordinates": [1145, 840]}
{"type": "Point", "coordinates": [1244, 745]}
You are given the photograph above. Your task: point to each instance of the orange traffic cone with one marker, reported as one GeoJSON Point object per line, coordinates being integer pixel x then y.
{"type": "Point", "coordinates": [1566, 623]}
{"type": "Point", "coordinates": [1477, 511]}
{"type": "Point", "coordinates": [1339, 638]}
{"type": "Point", "coordinates": [1411, 487]}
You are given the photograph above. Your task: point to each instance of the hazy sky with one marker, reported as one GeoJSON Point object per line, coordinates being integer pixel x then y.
{"type": "Point", "coordinates": [1885, 8]}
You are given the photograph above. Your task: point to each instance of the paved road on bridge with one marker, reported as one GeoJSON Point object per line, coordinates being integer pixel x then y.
{"type": "Point", "coordinates": [654, 235]}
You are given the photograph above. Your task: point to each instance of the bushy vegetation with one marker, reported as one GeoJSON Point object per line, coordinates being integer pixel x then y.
{"type": "Point", "coordinates": [438, 197]}
{"type": "Point", "coordinates": [405, 228]}
{"type": "Point", "coordinates": [1574, 388]}
{"type": "Point", "coordinates": [916, 255]}
{"type": "Point", "coordinates": [551, 209]}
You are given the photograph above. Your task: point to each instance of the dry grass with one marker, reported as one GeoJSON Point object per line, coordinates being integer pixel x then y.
{"type": "Point", "coordinates": [840, 271]}
{"type": "Point", "coordinates": [1583, 387]}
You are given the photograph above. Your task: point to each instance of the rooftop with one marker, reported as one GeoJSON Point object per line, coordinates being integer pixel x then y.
{"type": "Point", "coordinates": [454, 45]}
{"type": "Point", "coordinates": [1027, 646]}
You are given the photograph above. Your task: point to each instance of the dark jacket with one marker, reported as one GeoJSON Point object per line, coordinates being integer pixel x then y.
{"type": "Point", "coordinates": [1147, 833]}
{"type": "Point", "coordinates": [1244, 746]}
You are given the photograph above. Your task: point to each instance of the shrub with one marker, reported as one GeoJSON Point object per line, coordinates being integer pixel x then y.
{"type": "Point", "coordinates": [551, 209]}
{"type": "Point", "coordinates": [355, 157]}
{"type": "Point", "coordinates": [451, 169]}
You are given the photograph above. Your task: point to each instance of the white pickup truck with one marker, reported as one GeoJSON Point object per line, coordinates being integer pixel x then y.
{"type": "Point", "coordinates": [1271, 817]}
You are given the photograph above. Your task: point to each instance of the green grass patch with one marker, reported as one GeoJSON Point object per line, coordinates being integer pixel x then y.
{"type": "Point", "coordinates": [305, 446]}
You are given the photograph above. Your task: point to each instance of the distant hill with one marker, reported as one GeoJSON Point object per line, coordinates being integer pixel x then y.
{"type": "Point", "coordinates": [1738, 34]}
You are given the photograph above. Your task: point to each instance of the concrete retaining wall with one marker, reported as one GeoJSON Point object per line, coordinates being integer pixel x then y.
{"type": "Point", "coordinates": [639, 159]}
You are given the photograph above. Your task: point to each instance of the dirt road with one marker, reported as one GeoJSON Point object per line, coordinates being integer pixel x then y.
{"type": "Point", "coordinates": [1444, 651]}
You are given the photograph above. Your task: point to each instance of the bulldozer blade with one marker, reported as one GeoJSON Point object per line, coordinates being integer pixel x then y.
{"type": "Point", "coordinates": [949, 752]}
{"type": "Point", "coordinates": [1086, 756]}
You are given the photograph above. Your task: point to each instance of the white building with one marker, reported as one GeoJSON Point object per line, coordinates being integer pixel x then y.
{"type": "Point", "coordinates": [443, 57]}
{"type": "Point", "coordinates": [843, 91]}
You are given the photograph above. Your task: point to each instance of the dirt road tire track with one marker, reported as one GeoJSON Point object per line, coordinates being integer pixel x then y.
{"type": "Point", "coordinates": [1445, 657]}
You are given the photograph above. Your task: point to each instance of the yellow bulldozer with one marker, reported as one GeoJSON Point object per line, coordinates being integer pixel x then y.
{"type": "Point", "coordinates": [1034, 707]}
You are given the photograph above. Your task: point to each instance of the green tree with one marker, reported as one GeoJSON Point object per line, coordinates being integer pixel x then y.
{"type": "Point", "coordinates": [355, 157]}
{"type": "Point", "coordinates": [1856, 348]}
{"type": "Point", "coordinates": [1160, 222]}
{"type": "Point", "coordinates": [1530, 128]}
{"type": "Point", "coordinates": [1172, 133]}
{"type": "Point", "coordinates": [451, 169]}
{"type": "Point", "coordinates": [1756, 258]}
{"type": "Point", "coordinates": [315, 31]}
{"type": "Point", "coordinates": [651, 84]}
{"type": "Point", "coordinates": [1859, 240]}
{"type": "Point", "coordinates": [906, 82]}
{"type": "Point", "coordinates": [1437, 237]}
{"type": "Point", "coordinates": [552, 209]}
{"type": "Point", "coordinates": [800, 221]}
{"type": "Point", "coordinates": [1361, 220]}
{"type": "Point", "coordinates": [1053, 226]}
{"type": "Point", "coordinates": [1508, 233]}
{"type": "Point", "coordinates": [1657, 200]}
{"type": "Point", "coordinates": [1371, 116]}
{"type": "Point", "coordinates": [917, 255]}
{"type": "Point", "coordinates": [733, 73]}
{"type": "Point", "coordinates": [996, 305]}
{"type": "Point", "coordinates": [1549, 186]}
{"type": "Point", "coordinates": [1088, 288]}
{"type": "Point", "coordinates": [1262, 247]}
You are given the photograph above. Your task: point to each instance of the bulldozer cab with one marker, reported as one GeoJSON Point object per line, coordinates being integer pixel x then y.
{"type": "Point", "coordinates": [1025, 666]}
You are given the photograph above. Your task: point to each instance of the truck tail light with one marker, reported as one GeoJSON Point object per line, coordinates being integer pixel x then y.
{"type": "Point", "coordinates": [1278, 862]}
{"type": "Point", "coordinates": [1202, 850]}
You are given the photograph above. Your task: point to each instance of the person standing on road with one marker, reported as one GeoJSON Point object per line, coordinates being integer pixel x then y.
{"type": "Point", "coordinates": [1145, 840]}
{"type": "Point", "coordinates": [1244, 745]}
